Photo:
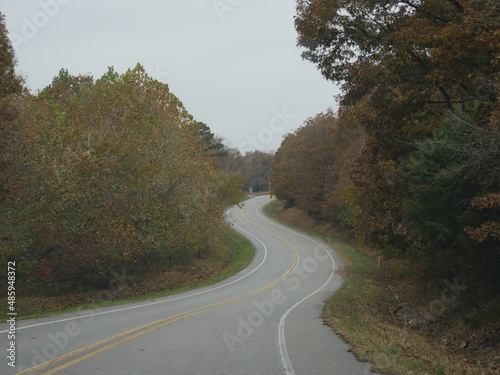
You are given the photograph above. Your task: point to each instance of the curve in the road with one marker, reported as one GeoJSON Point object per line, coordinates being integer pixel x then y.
{"type": "Point", "coordinates": [162, 301]}
{"type": "Point", "coordinates": [284, 337]}
{"type": "Point", "coordinates": [120, 338]}
{"type": "Point", "coordinates": [285, 358]}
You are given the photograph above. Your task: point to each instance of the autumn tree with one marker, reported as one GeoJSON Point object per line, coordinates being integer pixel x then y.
{"type": "Point", "coordinates": [256, 168]}
{"type": "Point", "coordinates": [302, 165]}
{"type": "Point", "coordinates": [310, 169]}
{"type": "Point", "coordinates": [403, 53]}
{"type": "Point", "coordinates": [243, 172]}
{"type": "Point", "coordinates": [403, 67]}
{"type": "Point", "coordinates": [230, 179]}
{"type": "Point", "coordinates": [113, 175]}
{"type": "Point", "coordinates": [10, 89]}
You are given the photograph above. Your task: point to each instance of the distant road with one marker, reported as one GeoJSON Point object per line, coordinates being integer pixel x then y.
{"type": "Point", "coordinates": [264, 320]}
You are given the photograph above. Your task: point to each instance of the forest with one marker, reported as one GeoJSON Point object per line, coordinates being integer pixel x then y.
{"type": "Point", "coordinates": [410, 162]}
{"type": "Point", "coordinates": [99, 174]}
{"type": "Point", "coordinates": [107, 174]}
{"type": "Point", "coordinates": [112, 171]}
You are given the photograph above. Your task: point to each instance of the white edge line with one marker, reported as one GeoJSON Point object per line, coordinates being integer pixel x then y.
{"type": "Point", "coordinates": [285, 358]}
{"type": "Point", "coordinates": [163, 301]}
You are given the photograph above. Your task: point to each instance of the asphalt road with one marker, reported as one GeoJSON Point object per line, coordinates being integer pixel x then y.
{"type": "Point", "coordinates": [264, 320]}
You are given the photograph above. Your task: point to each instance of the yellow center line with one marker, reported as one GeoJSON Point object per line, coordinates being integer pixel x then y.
{"type": "Point", "coordinates": [135, 332]}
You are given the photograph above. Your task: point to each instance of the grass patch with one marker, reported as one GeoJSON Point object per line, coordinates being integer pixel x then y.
{"type": "Point", "coordinates": [233, 254]}
{"type": "Point", "coordinates": [377, 311]}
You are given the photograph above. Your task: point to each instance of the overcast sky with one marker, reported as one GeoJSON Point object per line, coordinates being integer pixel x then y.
{"type": "Point", "coordinates": [233, 63]}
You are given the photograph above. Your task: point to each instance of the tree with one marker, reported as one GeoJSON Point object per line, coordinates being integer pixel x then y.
{"type": "Point", "coordinates": [111, 175]}
{"type": "Point", "coordinates": [11, 86]}
{"type": "Point", "coordinates": [458, 171]}
{"type": "Point", "coordinates": [256, 167]}
{"type": "Point", "coordinates": [368, 45]}
{"type": "Point", "coordinates": [403, 66]}
{"type": "Point", "coordinates": [420, 79]}
{"type": "Point", "coordinates": [214, 146]}
{"type": "Point", "coordinates": [310, 168]}
{"type": "Point", "coordinates": [309, 173]}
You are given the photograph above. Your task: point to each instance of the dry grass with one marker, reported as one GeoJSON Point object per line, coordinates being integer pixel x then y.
{"type": "Point", "coordinates": [389, 315]}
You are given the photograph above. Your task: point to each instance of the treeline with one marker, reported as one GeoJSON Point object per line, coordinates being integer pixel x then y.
{"type": "Point", "coordinates": [410, 164]}
{"type": "Point", "coordinates": [253, 167]}
{"type": "Point", "coordinates": [242, 172]}
{"type": "Point", "coordinates": [101, 176]}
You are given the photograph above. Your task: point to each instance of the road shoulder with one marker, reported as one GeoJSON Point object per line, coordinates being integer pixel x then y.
{"type": "Point", "coordinates": [370, 315]}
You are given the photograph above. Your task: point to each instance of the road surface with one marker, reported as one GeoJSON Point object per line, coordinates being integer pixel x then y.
{"type": "Point", "coordinates": [263, 320]}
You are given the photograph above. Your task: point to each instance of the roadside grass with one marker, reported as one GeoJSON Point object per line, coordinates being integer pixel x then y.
{"type": "Point", "coordinates": [366, 313]}
{"type": "Point", "coordinates": [233, 254]}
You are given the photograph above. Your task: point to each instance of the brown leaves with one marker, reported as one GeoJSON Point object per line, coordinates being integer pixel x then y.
{"type": "Point", "coordinates": [113, 167]}
{"type": "Point", "coordinates": [488, 201]}
{"type": "Point", "coordinates": [490, 228]}
{"type": "Point", "coordinates": [310, 167]}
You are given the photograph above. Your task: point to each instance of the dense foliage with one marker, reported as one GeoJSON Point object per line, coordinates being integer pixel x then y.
{"type": "Point", "coordinates": [252, 168]}
{"type": "Point", "coordinates": [108, 174]}
{"type": "Point", "coordinates": [420, 104]}
{"type": "Point", "coordinates": [104, 176]}
{"type": "Point", "coordinates": [310, 168]}
{"type": "Point", "coordinates": [10, 86]}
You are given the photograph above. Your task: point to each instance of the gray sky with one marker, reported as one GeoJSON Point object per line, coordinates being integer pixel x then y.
{"type": "Point", "coordinates": [233, 63]}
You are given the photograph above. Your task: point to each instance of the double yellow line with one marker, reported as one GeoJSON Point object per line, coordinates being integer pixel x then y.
{"type": "Point", "coordinates": [111, 342]}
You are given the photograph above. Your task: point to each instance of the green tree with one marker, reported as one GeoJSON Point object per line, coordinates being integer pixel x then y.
{"type": "Point", "coordinates": [214, 146]}
{"type": "Point", "coordinates": [458, 171]}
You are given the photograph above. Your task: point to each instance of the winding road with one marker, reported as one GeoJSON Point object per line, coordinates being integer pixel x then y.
{"type": "Point", "coordinates": [263, 320]}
